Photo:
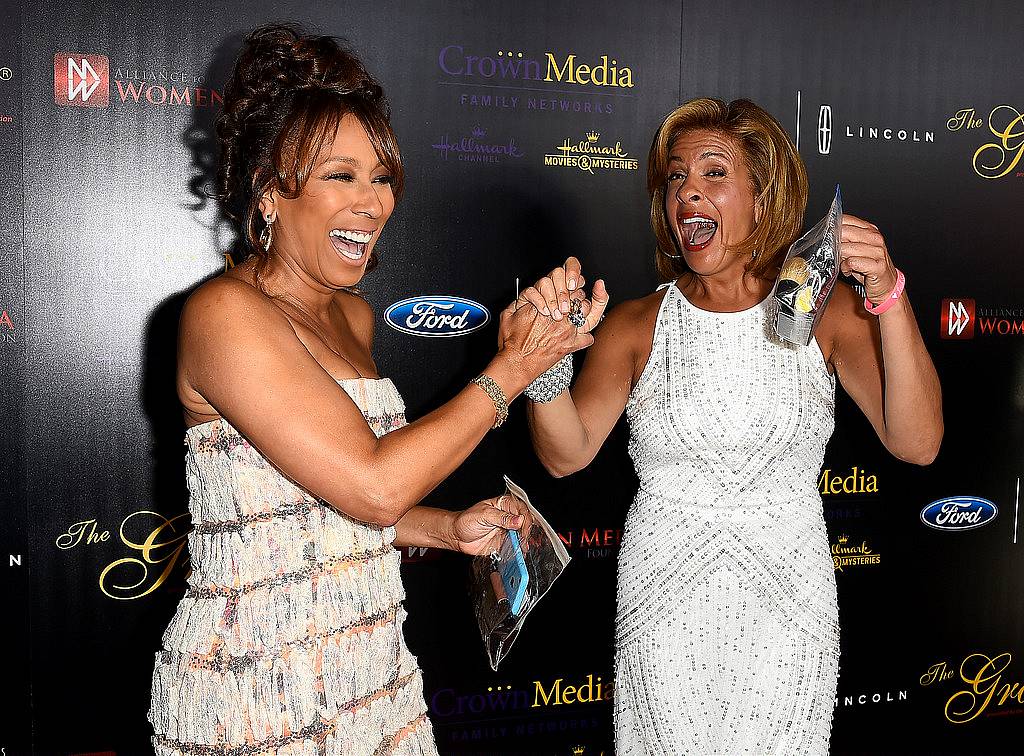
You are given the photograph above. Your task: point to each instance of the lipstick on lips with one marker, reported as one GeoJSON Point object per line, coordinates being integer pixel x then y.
{"type": "Point", "coordinates": [350, 243]}
{"type": "Point", "coordinates": [696, 229]}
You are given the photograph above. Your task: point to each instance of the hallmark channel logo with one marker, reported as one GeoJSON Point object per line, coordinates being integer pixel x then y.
{"type": "Point", "coordinates": [961, 318]}
{"type": "Point", "coordinates": [437, 316]}
{"type": "Point", "coordinates": [982, 687]}
{"type": "Point", "coordinates": [829, 129]}
{"type": "Point", "coordinates": [958, 513]}
{"type": "Point", "coordinates": [85, 81]}
{"type": "Point", "coordinates": [81, 80]}
{"type": "Point", "coordinates": [513, 80]}
{"type": "Point", "coordinates": [477, 149]}
{"type": "Point", "coordinates": [1000, 156]}
{"type": "Point", "coordinates": [847, 554]}
{"type": "Point", "coordinates": [589, 156]}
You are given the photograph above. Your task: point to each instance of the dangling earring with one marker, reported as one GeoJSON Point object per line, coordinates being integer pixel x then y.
{"type": "Point", "coordinates": [671, 257]}
{"type": "Point", "coordinates": [267, 235]}
{"type": "Point", "coordinates": [753, 255]}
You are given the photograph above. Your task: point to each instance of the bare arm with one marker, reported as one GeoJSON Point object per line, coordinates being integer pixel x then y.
{"type": "Point", "coordinates": [241, 355]}
{"type": "Point", "coordinates": [476, 530]}
{"type": "Point", "coordinates": [881, 360]}
{"type": "Point", "coordinates": [569, 431]}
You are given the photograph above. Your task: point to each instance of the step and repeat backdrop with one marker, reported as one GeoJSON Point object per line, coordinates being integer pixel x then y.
{"type": "Point", "coordinates": [106, 113]}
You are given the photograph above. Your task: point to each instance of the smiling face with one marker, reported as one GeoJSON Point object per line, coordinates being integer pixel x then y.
{"type": "Point", "coordinates": [709, 200]}
{"type": "Point", "coordinates": [331, 228]}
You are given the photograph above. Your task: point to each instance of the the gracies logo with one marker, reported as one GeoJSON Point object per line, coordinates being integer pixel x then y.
{"type": "Point", "coordinates": [999, 158]}
{"type": "Point", "coordinates": [985, 687]}
{"type": "Point", "coordinates": [438, 316]}
{"type": "Point", "coordinates": [81, 80]}
{"type": "Point", "coordinates": [160, 541]}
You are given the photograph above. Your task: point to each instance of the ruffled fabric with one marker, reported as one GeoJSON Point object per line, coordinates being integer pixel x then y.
{"type": "Point", "coordinates": [288, 639]}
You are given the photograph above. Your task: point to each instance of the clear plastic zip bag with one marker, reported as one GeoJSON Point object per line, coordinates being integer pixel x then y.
{"type": "Point", "coordinates": [808, 278]}
{"type": "Point", "coordinates": [507, 583]}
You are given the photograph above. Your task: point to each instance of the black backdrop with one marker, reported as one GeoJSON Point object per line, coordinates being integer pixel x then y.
{"type": "Point", "coordinates": [102, 234]}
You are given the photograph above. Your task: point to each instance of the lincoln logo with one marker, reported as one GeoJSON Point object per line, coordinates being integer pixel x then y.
{"type": "Point", "coordinates": [439, 316]}
{"type": "Point", "coordinates": [81, 80]}
{"type": "Point", "coordinates": [957, 319]}
{"type": "Point", "coordinates": [825, 129]}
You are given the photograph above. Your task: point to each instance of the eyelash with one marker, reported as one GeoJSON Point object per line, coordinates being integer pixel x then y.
{"type": "Point", "coordinates": [677, 176]}
{"type": "Point", "coordinates": [388, 179]}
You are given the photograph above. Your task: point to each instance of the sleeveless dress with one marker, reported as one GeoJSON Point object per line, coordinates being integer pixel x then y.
{"type": "Point", "coordinates": [727, 635]}
{"type": "Point", "coordinates": [289, 637]}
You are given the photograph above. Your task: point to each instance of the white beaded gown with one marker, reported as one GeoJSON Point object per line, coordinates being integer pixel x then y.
{"type": "Point", "coordinates": [727, 635]}
{"type": "Point", "coordinates": [289, 637]}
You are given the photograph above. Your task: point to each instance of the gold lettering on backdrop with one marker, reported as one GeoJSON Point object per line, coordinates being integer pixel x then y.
{"type": "Point", "coordinates": [936, 673]}
{"type": "Point", "coordinates": [984, 677]}
{"type": "Point", "coordinates": [590, 690]}
{"type": "Point", "coordinates": [165, 544]}
{"type": "Point", "coordinates": [964, 119]}
{"type": "Point", "coordinates": [84, 530]}
{"type": "Point", "coordinates": [997, 161]}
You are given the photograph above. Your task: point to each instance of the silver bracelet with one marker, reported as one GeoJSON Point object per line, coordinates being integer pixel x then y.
{"type": "Point", "coordinates": [552, 382]}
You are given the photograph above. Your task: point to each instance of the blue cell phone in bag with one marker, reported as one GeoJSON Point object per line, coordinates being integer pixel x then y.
{"type": "Point", "coordinates": [514, 577]}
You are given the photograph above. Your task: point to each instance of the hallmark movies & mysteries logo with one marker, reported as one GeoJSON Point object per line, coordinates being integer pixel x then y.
{"type": "Point", "coordinates": [588, 156]}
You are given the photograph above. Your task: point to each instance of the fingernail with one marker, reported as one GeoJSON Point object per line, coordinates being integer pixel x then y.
{"type": "Point", "coordinates": [564, 306]}
{"type": "Point", "coordinates": [571, 284]}
{"type": "Point", "coordinates": [557, 315]}
{"type": "Point", "coordinates": [547, 312]}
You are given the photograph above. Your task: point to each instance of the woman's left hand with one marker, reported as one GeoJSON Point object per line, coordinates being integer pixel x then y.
{"type": "Point", "coordinates": [481, 528]}
{"type": "Point", "coordinates": [864, 256]}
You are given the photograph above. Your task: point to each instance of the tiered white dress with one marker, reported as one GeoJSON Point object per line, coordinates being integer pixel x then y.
{"type": "Point", "coordinates": [289, 638]}
{"type": "Point", "coordinates": [727, 624]}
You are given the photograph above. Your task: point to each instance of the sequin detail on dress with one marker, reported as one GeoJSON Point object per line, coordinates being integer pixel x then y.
{"type": "Point", "coordinates": [727, 629]}
{"type": "Point", "coordinates": [289, 638]}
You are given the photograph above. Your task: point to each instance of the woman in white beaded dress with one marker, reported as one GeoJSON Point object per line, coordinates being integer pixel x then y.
{"type": "Point", "coordinates": [303, 473]}
{"type": "Point", "coordinates": [727, 623]}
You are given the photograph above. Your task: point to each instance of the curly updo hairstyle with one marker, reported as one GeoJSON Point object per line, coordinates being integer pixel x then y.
{"type": "Point", "coordinates": [283, 104]}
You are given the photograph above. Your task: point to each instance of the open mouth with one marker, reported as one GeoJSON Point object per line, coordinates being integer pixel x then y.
{"type": "Point", "coordinates": [350, 244]}
{"type": "Point", "coordinates": [697, 231]}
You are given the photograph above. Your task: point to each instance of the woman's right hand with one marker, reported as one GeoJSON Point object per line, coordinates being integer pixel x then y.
{"type": "Point", "coordinates": [534, 328]}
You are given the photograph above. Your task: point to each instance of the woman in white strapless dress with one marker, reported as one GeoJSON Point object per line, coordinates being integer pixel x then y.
{"type": "Point", "coordinates": [727, 635]}
{"type": "Point", "coordinates": [303, 473]}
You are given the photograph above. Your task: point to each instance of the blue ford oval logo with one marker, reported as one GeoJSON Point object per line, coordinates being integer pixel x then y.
{"type": "Point", "coordinates": [959, 513]}
{"type": "Point", "coordinates": [437, 317]}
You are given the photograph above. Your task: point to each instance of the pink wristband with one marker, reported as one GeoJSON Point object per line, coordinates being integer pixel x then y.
{"type": "Point", "coordinates": [890, 300]}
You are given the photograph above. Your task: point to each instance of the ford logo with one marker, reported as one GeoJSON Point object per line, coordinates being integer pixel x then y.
{"type": "Point", "coordinates": [959, 513]}
{"type": "Point", "coordinates": [437, 317]}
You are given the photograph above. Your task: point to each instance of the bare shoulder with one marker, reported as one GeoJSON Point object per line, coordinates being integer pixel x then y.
{"type": "Point", "coordinates": [626, 334]}
{"type": "Point", "coordinates": [226, 300]}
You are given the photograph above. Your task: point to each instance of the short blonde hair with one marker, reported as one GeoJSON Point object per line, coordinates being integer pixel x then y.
{"type": "Point", "coordinates": [777, 175]}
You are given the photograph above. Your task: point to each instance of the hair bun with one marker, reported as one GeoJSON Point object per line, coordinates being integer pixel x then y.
{"type": "Point", "coordinates": [283, 77]}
